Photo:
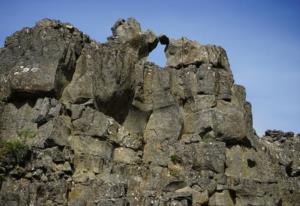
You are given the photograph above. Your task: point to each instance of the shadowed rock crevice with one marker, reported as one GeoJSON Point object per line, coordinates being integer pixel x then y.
{"type": "Point", "coordinates": [290, 172]}
{"type": "Point", "coordinates": [64, 73]}
{"type": "Point", "coordinates": [19, 98]}
{"type": "Point", "coordinates": [233, 196]}
{"type": "Point", "coordinates": [245, 142]}
{"type": "Point", "coordinates": [251, 163]}
{"type": "Point", "coordinates": [117, 106]}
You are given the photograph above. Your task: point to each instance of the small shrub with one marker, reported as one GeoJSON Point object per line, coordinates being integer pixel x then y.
{"type": "Point", "coordinates": [13, 151]}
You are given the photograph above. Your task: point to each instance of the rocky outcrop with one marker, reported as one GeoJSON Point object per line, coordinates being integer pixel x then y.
{"type": "Point", "coordinates": [85, 123]}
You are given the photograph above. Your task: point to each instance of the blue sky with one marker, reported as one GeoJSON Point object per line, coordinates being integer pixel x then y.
{"type": "Point", "coordinates": [261, 37]}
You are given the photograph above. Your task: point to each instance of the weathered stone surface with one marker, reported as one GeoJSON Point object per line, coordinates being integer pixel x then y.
{"type": "Point", "coordinates": [221, 199]}
{"type": "Point", "coordinates": [203, 156]}
{"type": "Point", "coordinates": [136, 121]}
{"type": "Point", "coordinates": [185, 51]}
{"type": "Point", "coordinates": [164, 125]}
{"type": "Point", "coordinates": [85, 123]}
{"type": "Point", "coordinates": [247, 163]}
{"type": "Point", "coordinates": [55, 132]}
{"type": "Point", "coordinates": [200, 102]}
{"type": "Point", "coordinates": [199, 122]}
{"type": "Point", "coordinates": [125, 155]}
{"type": "Point", "coordinates": [200, 198]}
{"type": "Point", "coordinates": [105, 72]}
{"type": "Point", "coordinates": [40, 59]}
{"type": "Point", "coordinates": [154, 93]}
{"type": "Point", "coordinates": [227, 122]}
{"type": "Point", "coordinates": [162, 130]}
{"type": "Point", "coordinates": [91, 123]}
{"type": "Point", "coordinates": [230, 122]}
{"type": "Point", "coordinates": [16, 119]}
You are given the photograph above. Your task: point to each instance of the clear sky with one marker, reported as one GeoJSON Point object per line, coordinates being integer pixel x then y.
{"type": "Point", "coordinates": [262, 39]}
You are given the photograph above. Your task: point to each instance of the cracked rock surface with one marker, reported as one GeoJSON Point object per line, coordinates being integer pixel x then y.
{"type": "Point", "coordinates": [86, 123]}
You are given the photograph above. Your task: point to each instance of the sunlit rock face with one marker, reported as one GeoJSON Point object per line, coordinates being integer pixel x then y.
{"type": "Point", "coordinates": [88, 123]}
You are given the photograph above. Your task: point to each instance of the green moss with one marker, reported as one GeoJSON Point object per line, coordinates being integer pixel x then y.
{"type": "Point", "coordinates": [14, 150]}
{"type": "Point", "coordinates": [175, 159]}
{"type": "Point", "coordinates": [26, 133]}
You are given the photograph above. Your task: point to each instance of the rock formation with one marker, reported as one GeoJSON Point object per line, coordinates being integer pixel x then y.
{"type": "Point", "coordinates": [85, 123]}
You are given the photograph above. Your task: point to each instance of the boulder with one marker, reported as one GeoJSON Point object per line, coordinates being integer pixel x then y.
{"type": "Point", "coordinates": [184, 51]}
{"type": "Point", "coordinates": [40, 60]}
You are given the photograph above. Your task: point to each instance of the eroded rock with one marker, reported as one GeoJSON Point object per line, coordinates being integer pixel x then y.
{"type": "Point", "coordinates": [41, 60]}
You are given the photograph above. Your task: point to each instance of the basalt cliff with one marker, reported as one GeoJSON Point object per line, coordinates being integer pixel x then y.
{"type": "Point", "coordinates": [84, 123]}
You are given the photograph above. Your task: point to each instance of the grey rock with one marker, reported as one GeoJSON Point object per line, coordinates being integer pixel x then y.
{"type": "Point", "coordinates": [199, 122]}
{"type": "Point", "coordinates": [46, 109]}
{"type": "Point", "coordinates": [200, 198]}
{"type": "Point", "coordinates": [40, 59]}
{"type": "Point", "coordinates": [207, 80]}
{"type": "Point", "coordinates": [246, 163]}
{"type": "Point", "coordinates": [37, 174]}
{"type": "Point", "coordinates": [136, 121]}
{"type": "Point", "coordinates": [125, 155]}
{"type": "Point", "coordinates": [164, 124]}
{"type": "Point", "coordinates": [154, 92]}
{"type": "Point", "coordinates": [230, 122]}
{"type": "Point", "coordinates": [204, 156]}
{"type": "Point", "coordinates": [190, 138]}
{"type": "Point", "coordinates": [126, 30]}
{"type": "Point", "coordinates": [55, 153]}
{"type": "Point", "coordinates": [17, 124]}
{"type": "Point", "coordinates": [185, 51]}
{"type": "Point", "coordinates": [66, 167]}
{"type": "Point", "coordinates": [119, 135]}
{"type": "Point", "coordinates": [92, 123]}
{"type": "Point", "coordinates": [224, 84]}
{"type": "Point", "coordinates": [54, 111]}
{"type": "Point", "coordinates": [54, 133]}
{"type": "Point", "coordinates": [90, 155]}
{"type": "Point", "coordinates": [104, 71]}
{"type": "Point", "coordinates": [278, 135]}
{"type": "Point", "coordinates": [76, 111]}
{"type": "Point", "coordinates": [163, 128]}
{"type": "Point", "coordinates": [221, 199]}
{"type": "Point", "coordinates": [200, 102]}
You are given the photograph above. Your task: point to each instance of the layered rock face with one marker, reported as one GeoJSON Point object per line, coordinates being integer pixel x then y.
{"type": "Point", "coordinates": [85, 123]}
